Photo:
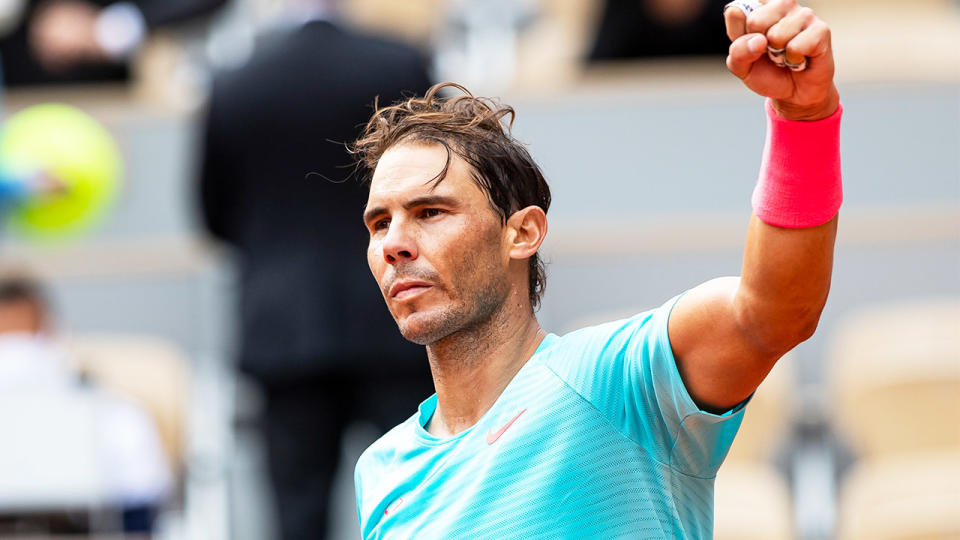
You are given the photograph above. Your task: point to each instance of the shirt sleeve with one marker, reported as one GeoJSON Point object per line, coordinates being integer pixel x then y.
{"type": "Point", "coordinates": [626, 369]}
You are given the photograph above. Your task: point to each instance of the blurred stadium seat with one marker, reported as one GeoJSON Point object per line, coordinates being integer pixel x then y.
{"type": "Point", "coordinates": [910, 497]}
{"type": "Point", "coordinates": [766, 421]}
{"type": "Point", "coordinates": [895, 378]}
{"type": "Point", "coordinates": [149, 370]}
{"type": "Point", "coordinates": [751, 502]}
{"type": "Point", "coordinates": [752, 499]}
{"type": "Point", "coordinates": [413, 20]}
{"type": "Point", "coordinates": [927, 48]}
{"type": "Point", "coordinates": [895, 384]}
{"type": "Point", "coordinates": [49, 458]}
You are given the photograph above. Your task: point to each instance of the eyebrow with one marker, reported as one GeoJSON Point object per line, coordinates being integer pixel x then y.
{"type": "Point", "coordinates": [426, 200]}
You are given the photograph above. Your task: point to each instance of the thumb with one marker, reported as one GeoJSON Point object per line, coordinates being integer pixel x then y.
{"type": "Point", "coordinates": [744, 51]}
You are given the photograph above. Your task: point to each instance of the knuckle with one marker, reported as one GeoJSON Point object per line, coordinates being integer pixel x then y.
{"type": "Point", "coordinates": [775, 40]}
{"type": "Point", "coordinates": [757, 24]}
{"type": "Point", "coordinates": [822, 30]}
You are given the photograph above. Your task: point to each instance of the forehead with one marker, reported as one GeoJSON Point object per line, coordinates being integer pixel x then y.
{"type": "Point", "coordinates": [408, 170]}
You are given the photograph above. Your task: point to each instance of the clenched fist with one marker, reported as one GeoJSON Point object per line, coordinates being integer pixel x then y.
{"type": "Point", "coordinates": [807, 94]}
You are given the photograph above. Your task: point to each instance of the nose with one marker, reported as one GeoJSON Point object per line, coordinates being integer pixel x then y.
{"type": "Point", "coordinates": [398, 244]}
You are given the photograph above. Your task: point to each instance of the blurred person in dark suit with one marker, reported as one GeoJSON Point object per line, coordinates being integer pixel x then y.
{"type": "Point", "coordinates": [276, 184]}
{"type": "Point", "coordinates": [652, 28]}
{"type": "Point", "coordinates": [75, 41]}
{"type": "Point", "coordinates": [136, 473]}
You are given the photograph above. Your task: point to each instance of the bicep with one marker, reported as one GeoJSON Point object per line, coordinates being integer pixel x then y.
{"type": "Point", "coordinates": [719, 364]}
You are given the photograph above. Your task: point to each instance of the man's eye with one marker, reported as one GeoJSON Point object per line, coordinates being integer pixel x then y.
{"type": "Point", "coordinates": [381, 224]}
{"type": "Point", "coordinates": [431, 212]}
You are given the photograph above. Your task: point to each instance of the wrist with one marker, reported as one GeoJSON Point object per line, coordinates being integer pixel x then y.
{"type": "Point", "coordinates": [800, 183]}
{"type": "Point", "coordinates": [808, 113]}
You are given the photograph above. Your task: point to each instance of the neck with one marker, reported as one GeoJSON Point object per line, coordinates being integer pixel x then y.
{"type": "Point", "coordinates": [472, 367]}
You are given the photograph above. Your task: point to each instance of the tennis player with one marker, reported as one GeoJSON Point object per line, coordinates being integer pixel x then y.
{"type": "Point", "coordinates": [613, 431]}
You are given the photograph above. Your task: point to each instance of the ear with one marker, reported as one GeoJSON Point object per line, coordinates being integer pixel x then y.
{"type": "Point", "coordinates": [526, 229]}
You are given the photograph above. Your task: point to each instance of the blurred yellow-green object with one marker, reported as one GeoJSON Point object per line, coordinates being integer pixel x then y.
{"type": "Point", "coordinates": [69, 146]}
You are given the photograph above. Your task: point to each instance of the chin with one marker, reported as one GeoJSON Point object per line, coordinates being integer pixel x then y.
{"type": "Point", "coordinates": [426, 327]}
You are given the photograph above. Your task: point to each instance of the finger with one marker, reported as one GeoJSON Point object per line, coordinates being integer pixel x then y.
{"type": "Point", "coordinates": [746, 50]}
{"type": "Point", "coordinates": [785, 30]}
{"type": "Point", "coordinates": [789, 26]}
{"type": "Point", "coordinates": [761, 19]}
{"type": "Point", "coordinates": [735, 20]}
{"type": "Point", "coordinates": [813, 42]}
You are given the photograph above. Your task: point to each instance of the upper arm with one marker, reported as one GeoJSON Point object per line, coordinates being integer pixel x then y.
{"type": "Point", "coordinates": [717, 361]}
{"type": "Point", "coordinates": [727, 333]}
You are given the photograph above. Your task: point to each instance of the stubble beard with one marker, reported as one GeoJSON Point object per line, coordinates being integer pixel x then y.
{"type": "Point", "coordinates": [467, 319]}
{"type": "Point", "coordinates": [476, 292]}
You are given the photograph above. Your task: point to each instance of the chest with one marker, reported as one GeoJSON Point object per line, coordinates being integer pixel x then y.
{"type": "Point", "coordinates": [533, 467]}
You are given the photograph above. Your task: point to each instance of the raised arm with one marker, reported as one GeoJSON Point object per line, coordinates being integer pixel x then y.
{"type": "Point", "coordinates": [727, 333]}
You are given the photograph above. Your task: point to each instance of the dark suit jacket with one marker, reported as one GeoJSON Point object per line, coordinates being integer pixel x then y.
{"type": "Point", "coordinates": [21, 68]}
{"type": "Point", "coordinates": [308, 302]}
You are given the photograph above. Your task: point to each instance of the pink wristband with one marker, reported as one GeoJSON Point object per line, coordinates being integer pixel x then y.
{"type": "Point", "coordinates": [799, 183]}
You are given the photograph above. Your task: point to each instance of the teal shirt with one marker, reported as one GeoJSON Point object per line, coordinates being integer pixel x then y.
{"type": "Point", "coordinates": [595, 437]}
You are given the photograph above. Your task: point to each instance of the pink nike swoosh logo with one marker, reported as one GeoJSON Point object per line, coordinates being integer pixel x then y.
{"type": "Point", "coordinates": [492, 436]}
{"type": "Point", "coordinates": [392, 507]}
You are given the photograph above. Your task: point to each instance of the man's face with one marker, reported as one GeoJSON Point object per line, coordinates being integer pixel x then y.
{"type": "Point", "coordinates": [20, 317]}
{"type": "Point", "coordinates": [437, 251]}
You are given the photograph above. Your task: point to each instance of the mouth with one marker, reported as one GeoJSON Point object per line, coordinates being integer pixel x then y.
{"type": "Point", "coordinates": [406, 289]}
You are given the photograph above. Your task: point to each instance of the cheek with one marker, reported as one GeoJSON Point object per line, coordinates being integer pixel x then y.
{"type": "Point", "coordinates": [480, 258]}
{"type": "Point", "coordinates": [374, 260]}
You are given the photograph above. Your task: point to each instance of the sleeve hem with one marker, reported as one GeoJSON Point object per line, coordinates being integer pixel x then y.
{"type": "Point", "coordinates": [690, 407]}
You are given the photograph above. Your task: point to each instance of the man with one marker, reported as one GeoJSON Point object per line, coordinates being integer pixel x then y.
{"type": "Point", "coordinates": [81, 41]}
{"type": "Point", "coordinates": [615, 431]}
{"type": "Point", "coordinates": [313, 331]}
{"type": "Point", "coordinates": [138, 480]}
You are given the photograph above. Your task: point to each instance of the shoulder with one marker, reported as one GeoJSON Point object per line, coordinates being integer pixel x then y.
{"type": "Point", "coordinates": [600, 361]}
{"type": "Point", "coordinates": [604, 338]}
